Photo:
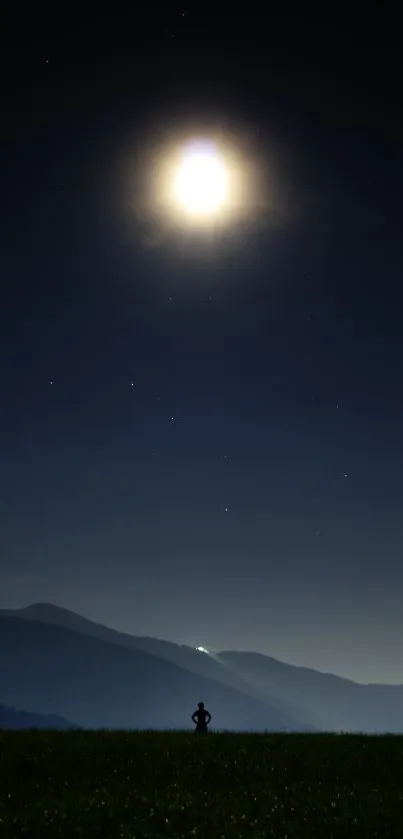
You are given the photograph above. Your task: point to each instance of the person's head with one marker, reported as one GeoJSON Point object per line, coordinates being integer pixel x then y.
{"type": "Point", "coordinates": [201, 704]}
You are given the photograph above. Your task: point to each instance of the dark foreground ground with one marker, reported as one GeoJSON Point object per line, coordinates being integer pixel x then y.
{"type": "Point", "coordinates": [151, 784]}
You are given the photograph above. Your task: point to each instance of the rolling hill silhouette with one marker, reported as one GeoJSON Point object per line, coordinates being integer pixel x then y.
{"type": "Point", "coordinates": [96, 683]}
{"type": "Point", "coordinates": [295, 697]}
{"type": "Point", "coordinates": [14, 718]}
{"type": "Point", "coordinates": [333, 703]}
{"type": "Point", "coordinates": [184, 656]}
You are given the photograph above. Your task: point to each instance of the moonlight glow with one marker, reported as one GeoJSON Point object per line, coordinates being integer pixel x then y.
{"type": "Point", "coordinates": [201, 180]}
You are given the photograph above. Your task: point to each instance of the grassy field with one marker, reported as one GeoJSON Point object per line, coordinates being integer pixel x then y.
{"type": "Point", "coordinates": [119, 784]}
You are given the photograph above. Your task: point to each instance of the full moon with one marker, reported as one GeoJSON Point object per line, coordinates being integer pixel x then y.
{"type": "Point", "coordinates": [197, 181]}
{"type": "Point", "coordinates": [200, 183]}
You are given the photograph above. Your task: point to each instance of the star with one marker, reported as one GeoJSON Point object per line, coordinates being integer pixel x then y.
{"type": "Point", "coordinates": [345, 475]}
{"type": "Point", "coordinates": [225, 509]}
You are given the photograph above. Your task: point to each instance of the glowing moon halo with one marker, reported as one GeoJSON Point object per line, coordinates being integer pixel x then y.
{"type": "Point", "coordinates": [200, 183]}
{"type": "Point", "coordinates": [204, 186]}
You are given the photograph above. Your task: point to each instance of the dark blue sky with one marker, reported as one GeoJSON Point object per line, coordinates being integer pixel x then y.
{"type": "Point", "coordinates": [202, 440]}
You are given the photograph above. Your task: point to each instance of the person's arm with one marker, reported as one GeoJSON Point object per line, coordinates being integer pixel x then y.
{"type": "Point", "coordinates": [209, 717]}
{"type": "Point", "coordinates": [193, 718]}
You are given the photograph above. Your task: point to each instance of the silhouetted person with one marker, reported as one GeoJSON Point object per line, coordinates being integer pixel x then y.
{"type": "Point", "coordinates": [201, 718]}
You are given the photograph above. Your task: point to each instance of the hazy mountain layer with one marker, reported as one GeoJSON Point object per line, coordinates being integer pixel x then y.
{"type": "Point", "coordinates": [296, 697]}
{"type": "Point", "coordinates": [186, 657]}
{"type": "Point", "coordinates": [332, 702]}
{"type": "Point", "coordinates": [95, 683]}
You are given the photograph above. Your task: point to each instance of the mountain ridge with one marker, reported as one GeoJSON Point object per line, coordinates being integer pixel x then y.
{"type": "Point", "coordinates": [180, 654]}
{"type": "Point", "coordinates": [38, 610]}
{"type": "Point", "coordinates": [99, 684]}
{"type": "Point", "coordinates": [303, 696]}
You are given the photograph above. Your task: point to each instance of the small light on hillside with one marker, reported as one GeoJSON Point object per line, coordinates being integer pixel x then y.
{"type": "Point", "coordinates": [202, 650]}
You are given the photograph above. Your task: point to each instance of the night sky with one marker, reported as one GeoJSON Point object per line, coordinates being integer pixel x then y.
{"type": "Point", "coordinates": [201, 431]}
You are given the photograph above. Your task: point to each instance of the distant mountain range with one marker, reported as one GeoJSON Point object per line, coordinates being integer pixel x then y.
{"type": "Point", "coordinates": [55, 662]}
